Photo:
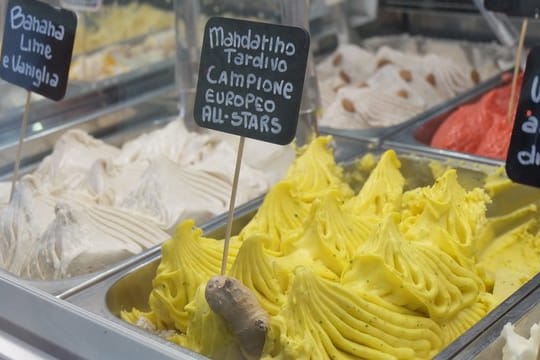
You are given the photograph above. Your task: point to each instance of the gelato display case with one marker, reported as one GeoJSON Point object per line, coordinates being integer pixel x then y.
{"type": "Point", "coordinates": [112, 172]}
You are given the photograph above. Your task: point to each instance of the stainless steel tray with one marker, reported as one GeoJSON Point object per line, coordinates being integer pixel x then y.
{"type": "Point", "coordinates": [130, 286]}
{"type": "Point", "coordinates": [115, 128]}
{"type": "Point", "coordinates": [417, 135]}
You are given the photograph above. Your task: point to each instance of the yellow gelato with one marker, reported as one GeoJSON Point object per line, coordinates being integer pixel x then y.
{"type": "Point", "coordinates": [119, 23]}
{"type": "Point", "coordinates": [390, 272]}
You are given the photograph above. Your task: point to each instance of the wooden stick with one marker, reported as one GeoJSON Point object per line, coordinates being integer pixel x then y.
{"type": "Point", "coordinates": [516, 68]}
{"type": "Point", "coordinates": [231, 205]}
{"type": "Point", "coordinates": [22, 132]}
{"type": "Point", "coordinates": [82, 53]}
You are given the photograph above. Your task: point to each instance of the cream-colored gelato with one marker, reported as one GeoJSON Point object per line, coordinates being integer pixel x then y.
{"type": "Point", "coordinates": [392, 79]}
{"type": "Point", "coordinates": [120, 58]}
{"type": "Point", "coordinates": [90, 204]}
{"type": "Point", "coordinates": [517, 347]}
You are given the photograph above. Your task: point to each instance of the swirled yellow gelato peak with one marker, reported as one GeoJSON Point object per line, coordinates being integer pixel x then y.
{"type": "Point", "coordinates": [332, 233]}
{"type": "Point", "coordinates": [189, 259]}
{"type": "Point", "coordinates": [329, 321]}
{"type": "Point", "coordinates": [381, 274]}
{"type": "Point", "coordinates": [280, 217]}
{"type": "Point", "coordinates": [315, 171]}
{"type": "Point", "coordinates": [381, 194]}
{"type": "Point", "coordinates": [258, 271]}
{"type": "Point", "coordinates": [448, 209]}
{"type": "Point", "coordinates": [416, 275]}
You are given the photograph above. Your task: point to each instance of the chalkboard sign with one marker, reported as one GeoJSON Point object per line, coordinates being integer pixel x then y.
{"type": "Point", "coordinates": [522, 8]}
{"type": "Point", "coordinates": [81, 5]}
{"type": "Point", "coordinates": [523, 160]}
{"type": "Point", "coordinates": [37, 47]}
{"type": "Point", "coordinates": [251, 77]}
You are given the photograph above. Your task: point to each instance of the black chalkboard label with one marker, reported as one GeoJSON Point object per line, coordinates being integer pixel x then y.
{"type": "Point", "coordinates": [522, 8]}
{"type": "Point", "coordinates": [251, 78]}
{"type": "Point", "coordinates": [37, 47]}
{"type": "Point", "coordinates": [523, 160]}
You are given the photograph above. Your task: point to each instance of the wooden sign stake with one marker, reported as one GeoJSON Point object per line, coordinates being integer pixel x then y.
{"type": "Point", "coordinates": [82, 53]}
{"type": "Point", "coordinates": [516, 68]}
{"type": "Point", "coordinates": [230, 215]}
{"type": "Point", "coordinates": [22, 132]}
{"type": "Point", "coordinates": [260, 110]}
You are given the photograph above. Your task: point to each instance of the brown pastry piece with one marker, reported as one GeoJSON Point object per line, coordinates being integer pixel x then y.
{"type": "Point", "coordinates": [338, 59]}
{"type": "Point", "coordinates": [348, 105]}
{"type": "Point", "coordinates": [406, 75]}
{"type": "Point", "coordinates": [344, 76]}
{"type": "Point", "coordinates": [475, 76]}
{"type": "Point", "coordinates": [383, 62]}
{"type": "Point", "coordinates": [403, 93]}
{"type": "Point", "coordinates": [431, 79]}
{"type": "Point", "coordinates": [363, 84]}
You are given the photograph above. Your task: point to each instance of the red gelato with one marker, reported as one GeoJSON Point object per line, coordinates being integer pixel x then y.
{"type": "Point", "coordinates": [480, 128]}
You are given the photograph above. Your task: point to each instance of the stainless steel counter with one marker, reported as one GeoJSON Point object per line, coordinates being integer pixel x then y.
{"type": "Point", "coordinates": [36, 325]}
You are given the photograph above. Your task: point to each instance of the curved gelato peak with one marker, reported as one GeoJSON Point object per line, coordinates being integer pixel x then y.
{"type": "Point", "coordinates": [315, 171]}
{"type": "Point", "coordinates": [173, 142]}
{"type": "Point", "coordinates": [446, 207]}
{"type": "Point", "coordinates": [450, 78]}
{"type": "Point", "coordinates": [74, 154]}
{"type": "Point", "coordinates": [82, 239]}
{"type": "Point", "coordinates": [356, 107]}
{"type": "Point", "coordinates": [167, 193]}
{"type": "Point", "coordinates": [280, 217]}
{"type": "Point", "coordinates": [189, 259]}
{"type": "Point", "coordinates": [264, 156]}
{"type": "Point", "coordinates": [467, 317]}
{"type": "Point", "coordinates": [381, 194]}
{"type": "Point", "coordinates": [333, 234]}
{"type": "Point", "coordinates": [257, 270]}
{"type": "Point", "coordinates": [415, 275]}
{"type": "Point", "coordinates": [220, 164]}
{"type": "Point", "coordinates": [356, 62]}
{"type": "Point", "coordinates": [329, 321]}
{"type": "Point", "coordinates": [21, 224]}
{"type": "Point", "coordinates": [109, 183]}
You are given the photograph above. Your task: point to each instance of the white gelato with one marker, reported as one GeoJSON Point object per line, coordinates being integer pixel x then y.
{"type": "Point", "coordinates": [518, 347]}
{"type": "Point", "coordinates": [90, 204]}
{"type": "Point", "coordinates": [381, 86]}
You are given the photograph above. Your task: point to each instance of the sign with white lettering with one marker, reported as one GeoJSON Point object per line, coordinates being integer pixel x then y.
{"type": "Point", "coordinates": [251, 78]}
{"type": "Point", "coordinates": [81, 5]}
{"type": "Point", "coordinates": [521, 8]}
{"type": "Point", "coordinates": [37, 47]}
{"type": "Point", "coordinates": [523, 160]}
